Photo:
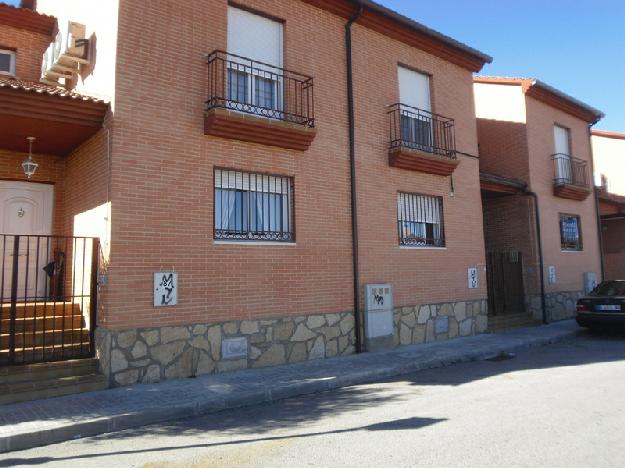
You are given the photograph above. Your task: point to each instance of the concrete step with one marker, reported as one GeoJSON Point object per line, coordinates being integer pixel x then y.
{"type": "Point", "coordinates": [48, 370]}
{"type": "Point", "coordinates": [39, 309]}
{"type": "Point", "coordinates": [45, 338]}
{"type": "Point", "coordinates": [39, 389]}
{"type": "Point", "coordinates": [53, 322]}
{"type": "Point", "coordinates": [511, 321]}
{"type": "Point", "coordinates": [49, 353]}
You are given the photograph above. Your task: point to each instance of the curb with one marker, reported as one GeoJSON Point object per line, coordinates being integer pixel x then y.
{"type": "Point", "coordinates": [214, 404]}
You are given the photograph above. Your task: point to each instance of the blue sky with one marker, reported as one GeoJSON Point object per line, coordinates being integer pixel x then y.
{"type": "Point", "coordinates": [576, 46]}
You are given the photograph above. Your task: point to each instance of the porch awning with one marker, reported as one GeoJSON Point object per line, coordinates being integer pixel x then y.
{"type": "Point", "coordinates": [60, 120]}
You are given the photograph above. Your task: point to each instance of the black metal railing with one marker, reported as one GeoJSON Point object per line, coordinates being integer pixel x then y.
{"type": "Point", "coordinates": [48, 298]}
{"type": "Point", "coordinates": [246, 85]}
{"type": "Point", "coordinates": [420, 220]}
{"type": "Point", "coordinates": [253, 207]}
{"type": "Point", "coordinates": [570, 171]}
{"type": "Point", "coordinates": [415, 128]}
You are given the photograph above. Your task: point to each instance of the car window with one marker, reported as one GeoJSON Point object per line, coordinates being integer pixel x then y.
{"type": "Point", "coordinates": [609, 288]}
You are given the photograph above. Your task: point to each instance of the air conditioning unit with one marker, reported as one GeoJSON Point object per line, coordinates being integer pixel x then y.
{"type": "Point", "coordinates": [63, 57]}
{"type": "Point", "coordinates": [379, 329]}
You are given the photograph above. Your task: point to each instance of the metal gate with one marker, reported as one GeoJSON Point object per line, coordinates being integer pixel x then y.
{"type": "Point", "coordinates": [504, 275]}
{"type": "Point", "coordinates": [48, 298]}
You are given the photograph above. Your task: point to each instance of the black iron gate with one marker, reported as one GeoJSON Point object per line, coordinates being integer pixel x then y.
{"type": "Point", "coordinates": [504, 274]}
{"type": "Point", "coordinates": [48, 298]}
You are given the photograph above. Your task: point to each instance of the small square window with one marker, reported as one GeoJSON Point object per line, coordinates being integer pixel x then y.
{"type": "Point", "coordinates": [7, 62]}
{"type": "Point", "coordinates": [420, 220]}
{"type": "Point", "coordinates": [570, 232]}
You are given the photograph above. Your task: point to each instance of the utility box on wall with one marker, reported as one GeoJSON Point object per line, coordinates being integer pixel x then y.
{"type": "Point", "coordinates": [379, 331]}
{"type": "Point", "coordinates": [590, 281]}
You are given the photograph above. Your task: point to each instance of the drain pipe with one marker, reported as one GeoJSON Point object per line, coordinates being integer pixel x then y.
{"type": "Point", "coordinates": [352, 161]}
{"type": "Point", "coordinates": [543, 302]}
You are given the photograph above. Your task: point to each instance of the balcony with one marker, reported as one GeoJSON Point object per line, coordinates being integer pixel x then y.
{"type": "Point", "coordinates": [256, 102]}
{"type": "Point", "coordinates": [571, 177]}
{"type": "Point", "coordinates": [421, 141]}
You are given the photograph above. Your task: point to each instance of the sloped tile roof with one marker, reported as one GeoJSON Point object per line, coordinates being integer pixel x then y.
{"type": "Point", "coordinates": [45, 89]}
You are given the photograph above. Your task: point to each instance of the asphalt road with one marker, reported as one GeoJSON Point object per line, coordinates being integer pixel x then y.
{"type": "Point", "coordinates": [559, 405]}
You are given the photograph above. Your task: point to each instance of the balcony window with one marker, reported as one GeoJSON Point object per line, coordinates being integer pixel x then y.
{"type": "Point", "coordinates": [7, 62]}
{"type": "Point", "coordinates": [420, 220]}
{"type": "Point", "coordinates": [253, 207]}
{"type": "Point", "coordinates": [570, 232]}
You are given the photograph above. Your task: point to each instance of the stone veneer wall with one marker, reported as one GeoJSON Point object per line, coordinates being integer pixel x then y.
{"type": "Point", "coordinates": [560, 305]}
{"type": "Point", "coordinates": [153, 354]}
{"type": "Point", "coordinates": [435, 322]}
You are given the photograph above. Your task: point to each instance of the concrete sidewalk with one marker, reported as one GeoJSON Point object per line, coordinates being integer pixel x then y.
{"type": "Point", "coordinates": [30, 424]}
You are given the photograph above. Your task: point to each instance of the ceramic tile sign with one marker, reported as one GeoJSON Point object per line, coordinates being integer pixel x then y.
{"type": "Point", "coordinates": [551, 274]}
{"type": "Point", "coordinates": [472, 277]}
{"type": "Point", "coordinates": [165, 288]}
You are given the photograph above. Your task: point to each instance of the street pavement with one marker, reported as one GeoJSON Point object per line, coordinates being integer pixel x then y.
{"type": "Point", "coordinates": [556, 405]}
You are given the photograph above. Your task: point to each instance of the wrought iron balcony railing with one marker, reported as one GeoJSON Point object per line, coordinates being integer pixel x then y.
{"type": "Point", "coordinates": [418, 129]}
{"type": "Point", "coordinates": [246, 85]}
{"type": "Point", "coordinates": [570, 171]}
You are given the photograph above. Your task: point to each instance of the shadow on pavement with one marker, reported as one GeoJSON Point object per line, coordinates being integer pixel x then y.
{"type": "Point", "coordinates": [399, 424]}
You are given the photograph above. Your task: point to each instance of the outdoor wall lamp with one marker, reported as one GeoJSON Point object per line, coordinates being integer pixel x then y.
{"type": "Point", "coordinates": [29, 166]}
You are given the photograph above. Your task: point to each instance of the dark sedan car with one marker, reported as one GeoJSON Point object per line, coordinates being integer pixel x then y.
{"type": "Point", "coordinates": [604, 307]}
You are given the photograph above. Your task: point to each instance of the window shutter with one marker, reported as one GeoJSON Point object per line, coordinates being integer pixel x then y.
{"type": "Point", "coordinates": [414, 89]}
{"type": "Point", "coordinates": [254, 37]}
{"type": "Point", "coordinates": [561, 137]}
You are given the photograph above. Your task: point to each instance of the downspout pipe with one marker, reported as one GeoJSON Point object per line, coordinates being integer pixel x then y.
{"type": "Point", "coordinates": [352, 166]}
{"type": "Point", "coordinates": [543, 301]}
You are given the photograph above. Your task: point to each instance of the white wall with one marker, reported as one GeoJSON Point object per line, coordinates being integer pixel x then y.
{"type": "Point", "coordinates": [499, 102]}
{"type": "Point", "coordinates": [101, 19]}
{"type": "Point", "coordinates": [609, 158]}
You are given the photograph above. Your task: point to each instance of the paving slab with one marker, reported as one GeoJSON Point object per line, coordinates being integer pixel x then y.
{"type": "Point", "coordinates": [43, 422]}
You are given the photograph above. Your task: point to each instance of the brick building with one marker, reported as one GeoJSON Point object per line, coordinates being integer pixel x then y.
{"type": "Point", "coordinates": [228, 153]}
{"type": "Point", "coordinates": [540, 218]}
{"type": "Point", "coordinates": [609, 158]}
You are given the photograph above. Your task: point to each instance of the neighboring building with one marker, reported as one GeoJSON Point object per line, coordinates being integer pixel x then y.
{"type": "Point", "coordinates": [535, 154]}
{"type": "Point", "coordinates": [218, 180]}
{"type": "Point", "coordinates": [609, 158]}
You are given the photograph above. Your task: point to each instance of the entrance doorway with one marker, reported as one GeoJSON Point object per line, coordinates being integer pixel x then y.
{"type": "Point", "coordinates": [505, 283]}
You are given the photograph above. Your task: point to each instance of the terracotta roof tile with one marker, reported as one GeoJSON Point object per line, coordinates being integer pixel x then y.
{"type": "Point", "coordinates": [41, 88]}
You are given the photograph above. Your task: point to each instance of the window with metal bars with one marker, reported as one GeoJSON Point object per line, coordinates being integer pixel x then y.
{"type": "Point", "coordinates": [570, 232]}
{"type": "Point", "coordinates": [253, 207]}
{"type": "Point", "coordinates": [420, 220]}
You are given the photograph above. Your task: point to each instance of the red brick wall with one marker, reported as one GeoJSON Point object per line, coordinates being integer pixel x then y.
{"type": "Point", "coordinates": [51, 170]}
{"type": "Point", "coordinates": [162, 188]}
{"type": "Point", "coordinates": [503, 148]}
{"type": "Point", "coordinates": [417, 275]}
{"type": "Point", "coordinates": [569, 265]}
{"type": "Point", "coordinates": [613, 233]}
{"type": "Point", "coordinates": [30, 48]}
{"type": "Point", "coordinates": [509, 224]}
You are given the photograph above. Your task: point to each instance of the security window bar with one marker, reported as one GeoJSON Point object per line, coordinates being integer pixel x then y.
{"type": "Point", "coordinates": [570, 232]}
{"type": "Point", "coordinates": [244, 85]}
{"type": "Point", "coordinates": [418, 129]}
{"type": "Point", "coordinates": [253, 207]}
{"type": "Point", "coordinates": [420, 220]}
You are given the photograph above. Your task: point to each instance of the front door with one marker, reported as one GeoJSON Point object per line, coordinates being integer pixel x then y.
{"type": "Point", "coordinates": [25, 210]}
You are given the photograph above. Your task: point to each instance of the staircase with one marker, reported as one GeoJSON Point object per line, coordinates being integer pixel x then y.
{"type": "Point", "coordinates": [51, 352]}
{"type": "Point", "coordinates": [498, 323]}
{"type": "Point", "coordinates": [49, 379]}
{"type": "Point", "coordinates": [44, 332]}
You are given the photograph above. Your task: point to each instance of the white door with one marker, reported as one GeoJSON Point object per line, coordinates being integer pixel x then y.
{"type": "Point", "coordinates": [416, 120]}
{"type": "Point", "coordinates": [25, 209]}
{"type": "Point", "coordinates": [564, 171]}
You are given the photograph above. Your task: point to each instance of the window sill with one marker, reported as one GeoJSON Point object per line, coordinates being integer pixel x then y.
{"type": "Point", "coordinates": [254, 243]}
{"type": "Point", "coordinates": [571, 251]}
{"type": "Point", "coordinates": [410, 247]}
